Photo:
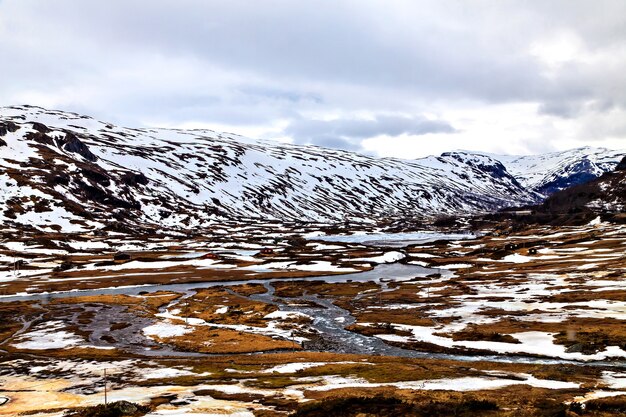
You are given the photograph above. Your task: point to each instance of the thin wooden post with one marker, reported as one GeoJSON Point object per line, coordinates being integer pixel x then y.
{"type": "Point", "coordinates": [105, 387]}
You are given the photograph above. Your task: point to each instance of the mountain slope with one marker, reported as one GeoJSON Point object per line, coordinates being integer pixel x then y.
{"type": "Point", "coordinates": [606, 194]}
{"type": "Point", "coordinates": [552, 172]}
{"type": "Point", "coordinates": [75, 172]}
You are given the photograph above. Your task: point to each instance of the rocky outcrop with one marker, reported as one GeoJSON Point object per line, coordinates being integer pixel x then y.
{"type": "Point", "coordinates": [6, 127]}
{"type": "Point", "coordinates": [72, 144]}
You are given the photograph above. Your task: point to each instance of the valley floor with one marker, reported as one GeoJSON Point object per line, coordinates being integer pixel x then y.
{"type": "Point", "coordinates": [259, 321]}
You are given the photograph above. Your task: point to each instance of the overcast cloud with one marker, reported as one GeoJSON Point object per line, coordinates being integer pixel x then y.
{"type": "Point", "coordinates": [391, 78]}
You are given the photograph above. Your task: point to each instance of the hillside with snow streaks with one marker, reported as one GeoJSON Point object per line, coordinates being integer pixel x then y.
{"type": "Point", "coordinates": [78, 172]}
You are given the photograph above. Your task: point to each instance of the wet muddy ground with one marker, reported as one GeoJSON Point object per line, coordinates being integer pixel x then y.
{"type": "Point", "coordinates": [212, 328]}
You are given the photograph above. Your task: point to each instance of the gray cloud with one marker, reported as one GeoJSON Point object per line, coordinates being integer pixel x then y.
{"type": "Point", "coordinates": [279, 62]}
{"type": "Point", "coordinates": [331, 141]}
{"type": "Point", "coordinates": [335, 132]}
{"type": "Point", "coordinates": [563, 109]}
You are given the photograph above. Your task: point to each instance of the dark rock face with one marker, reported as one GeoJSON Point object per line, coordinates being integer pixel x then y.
{"type": "Point", "coordinates": [69, 143]}
{"type": "Point", "coordinates": [622, 165]}
{"type": "Point", "coordinates": [134, 178]}
{"type": "Point", "coordinates": [41, 128]}
{"type": "Point", "coordinates": [41, 138]}
{"type": "Point", "coordinates": [72, 144]}
{"type": "Point", "coordinates": [565, 182]}
{"type": "Point", "coordinates": [496, 170]}
{"type": "Point", "coordinates": [96, 175]}
{"type": "Point", "coordinates": [61, 179]}
{"type": "Point", "coordinates": [6, 127]}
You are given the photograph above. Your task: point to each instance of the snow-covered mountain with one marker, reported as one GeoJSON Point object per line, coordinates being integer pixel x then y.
{"type": "Point", "coordinates": [552, 172]}
{"type": "Point", "coordinates": [73, 171]}
{"type": "Point", "coordinates": [605, 196]}
{"type": "Point", "coordinates": [64, 170]}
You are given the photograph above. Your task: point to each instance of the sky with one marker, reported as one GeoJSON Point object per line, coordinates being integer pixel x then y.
{"type": "Point", "coordinates": [389, 78]}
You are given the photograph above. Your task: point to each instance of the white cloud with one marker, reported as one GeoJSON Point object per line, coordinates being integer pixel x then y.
{"type": "Point", "coordinates": [412, 77]}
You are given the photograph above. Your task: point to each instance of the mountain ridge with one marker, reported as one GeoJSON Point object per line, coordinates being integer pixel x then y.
{"type": "Point", "coordinates": [66, 170]}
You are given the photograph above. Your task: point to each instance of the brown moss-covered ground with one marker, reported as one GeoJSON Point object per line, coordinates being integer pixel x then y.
{"type": "Point", "coordinates": [507, 402]}
{"type": "Point", "coordinates": [213, 340]}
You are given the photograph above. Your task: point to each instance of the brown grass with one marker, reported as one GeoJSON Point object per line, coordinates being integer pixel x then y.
{"type": "Point", "coordinates": [143, 305]}
{"type": "Point", "coordinates": [241, 310]}
{"type": "Point", "coordinates": [208, 340]}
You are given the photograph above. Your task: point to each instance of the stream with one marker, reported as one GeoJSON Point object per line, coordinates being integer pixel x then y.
{"type": "Point", "coordinates": [384, 272]}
